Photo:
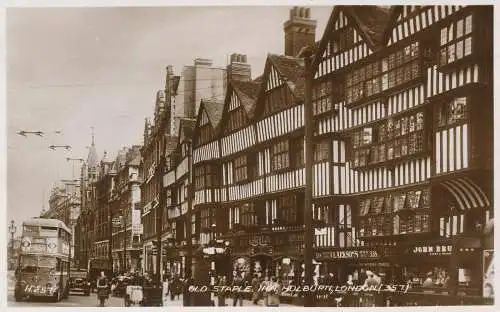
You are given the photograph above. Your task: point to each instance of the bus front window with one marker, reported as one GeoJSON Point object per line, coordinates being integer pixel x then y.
{"type": "Point", "coordinates": [28, 264]}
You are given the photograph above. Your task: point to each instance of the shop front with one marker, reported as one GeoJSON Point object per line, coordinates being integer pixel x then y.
{"type": "Point", "coordinates": [342, 264]}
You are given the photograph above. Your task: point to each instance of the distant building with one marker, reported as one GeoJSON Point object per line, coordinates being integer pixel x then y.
{"type": "Point", "coordinates": [198, 81]}
{"type": "Point", "coordinates": [127, 230]}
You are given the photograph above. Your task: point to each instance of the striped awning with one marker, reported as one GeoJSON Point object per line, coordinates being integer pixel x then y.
{"type": "Point", "coordinates": [467, 193]}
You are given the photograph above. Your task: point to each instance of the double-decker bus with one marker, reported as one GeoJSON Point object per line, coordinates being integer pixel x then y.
{"type": "Point", "coordinates": [44, 260]}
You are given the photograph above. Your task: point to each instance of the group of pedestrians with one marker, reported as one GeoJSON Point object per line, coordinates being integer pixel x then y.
{"type": "Point", "coordinates": [262, 289]}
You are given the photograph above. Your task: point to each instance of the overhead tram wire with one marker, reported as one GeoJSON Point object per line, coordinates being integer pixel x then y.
{"type": "Point", "coordinates": [90, 85]}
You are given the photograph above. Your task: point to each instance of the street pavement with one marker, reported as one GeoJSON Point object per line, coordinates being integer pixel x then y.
{"type": "Point", "coordinates": [78, 300]}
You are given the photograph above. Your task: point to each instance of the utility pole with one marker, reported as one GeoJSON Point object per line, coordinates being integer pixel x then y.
{"type": "Point", "coordinates": [308, 232]}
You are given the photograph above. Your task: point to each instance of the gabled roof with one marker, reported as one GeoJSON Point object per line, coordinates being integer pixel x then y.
{"type": "Point", "coordinates": [247, 93]}
{"type": "Point", "coordinates": [291, 70]}
{"type": "Point", "coordinates": [372, 22]}
{"type": "Point", "coordinates": [214, 109]}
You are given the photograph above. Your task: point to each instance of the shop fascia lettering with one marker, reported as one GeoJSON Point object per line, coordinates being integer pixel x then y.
{"type": "Point", "coordinates": [440, 249]}
{"type": "Point", "coordinates": [349, 254]}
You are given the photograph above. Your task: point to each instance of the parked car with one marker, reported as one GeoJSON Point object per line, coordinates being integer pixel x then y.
{"type": "Point", "coordinates": [79, 284]}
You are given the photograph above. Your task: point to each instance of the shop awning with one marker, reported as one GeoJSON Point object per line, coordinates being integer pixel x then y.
{"type": "Point", "coordinates": [467, 193]}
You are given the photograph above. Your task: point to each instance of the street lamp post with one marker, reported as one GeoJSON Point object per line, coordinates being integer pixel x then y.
{"type": "Point", "coordinates": [12, 230]}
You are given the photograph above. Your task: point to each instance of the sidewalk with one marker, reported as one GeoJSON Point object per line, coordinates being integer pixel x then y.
{"type": "Point", "coordinates": [229, 303]}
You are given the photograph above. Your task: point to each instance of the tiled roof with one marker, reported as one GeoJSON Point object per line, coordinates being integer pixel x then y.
{"type": "Point", "coordinates": [247, 92]}
{"type": "Point", "coordinates": [372, 20]}
{"type": "Point", "coordinates": [214, 110]}
{"type": "Point", "coordinates": [292, 71]}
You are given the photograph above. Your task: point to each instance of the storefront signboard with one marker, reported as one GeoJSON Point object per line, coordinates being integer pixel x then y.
{"type": "Point", "coordinates": [432, 250]}
{"type": "Point", "coordinates": [348, 254]}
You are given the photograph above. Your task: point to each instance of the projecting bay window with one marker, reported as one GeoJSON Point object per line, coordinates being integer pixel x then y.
{"type": "Point", "coordinates": [398, 68]}
{"type": "Point", "coordinates": [395, 214]}
{"type": "Point", "coordinates": [280, 156]}
{"type": "Point", "coordinates": [391, 139]}
{"type": "Point", "coordinates": [456, 41]}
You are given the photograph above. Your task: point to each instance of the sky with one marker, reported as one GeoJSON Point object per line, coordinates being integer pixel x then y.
{"type": "Point", "coordinates": [70, 69]}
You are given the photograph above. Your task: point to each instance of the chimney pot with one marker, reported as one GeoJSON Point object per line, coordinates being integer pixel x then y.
{"type": "Point", "coordinates": [308, 13]}
{"type": "Point", "coordinates": [302, 12]}
{"type": "Point", "coordinates": [244, 59]}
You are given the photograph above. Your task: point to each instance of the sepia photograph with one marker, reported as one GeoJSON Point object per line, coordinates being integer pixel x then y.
{"type": "Point", "coordinates": [255, 156]}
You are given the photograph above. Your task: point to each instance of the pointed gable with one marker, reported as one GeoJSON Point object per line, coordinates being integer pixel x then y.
{"type": "Point", "coordinates": [239, 105]}
{"type": "Point", "coordinates": [247, 94]}
{"type": "Point", "coordinates": [352, 33]}
{"type": "Point", "coordinates": [208, 120]}
{"type": "Point", "coordinates": [283, 81]}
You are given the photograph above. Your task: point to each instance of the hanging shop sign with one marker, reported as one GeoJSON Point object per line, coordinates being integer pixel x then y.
{"type": "Point", "coordinates": [348, 254]}
{"type": "Point", "coordinates": [137, 229]}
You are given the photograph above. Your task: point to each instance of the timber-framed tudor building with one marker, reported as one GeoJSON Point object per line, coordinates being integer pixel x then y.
{"type": "Point", "coordinates": [403, 151]}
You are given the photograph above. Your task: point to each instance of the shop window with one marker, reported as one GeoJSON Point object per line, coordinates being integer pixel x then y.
{"type": "Point", "coordinates": [453, 112]}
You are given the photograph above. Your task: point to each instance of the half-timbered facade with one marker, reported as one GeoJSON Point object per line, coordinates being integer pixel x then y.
{"type": "Point", "coordinates": [176, 193]}
{"type": "Point", "coordinates": [403, 103]}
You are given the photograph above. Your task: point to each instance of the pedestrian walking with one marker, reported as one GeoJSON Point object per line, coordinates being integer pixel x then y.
{"type": "Point", "coordinates": [221, 294]}
{"type": "Point", "coordinates": [237, 285]}
{"type": "Point", "coordinates": [274, 293]}
{"type": "Point", "coordinates": [264, 286]}
{"type": "Point", "coordinates": [255, 289]}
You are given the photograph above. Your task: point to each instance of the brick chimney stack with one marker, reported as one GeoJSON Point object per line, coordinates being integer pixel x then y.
{"type": "Point", "coordinates": [300, 30]}
{"type": "Point", "coordinates": [238, 69]}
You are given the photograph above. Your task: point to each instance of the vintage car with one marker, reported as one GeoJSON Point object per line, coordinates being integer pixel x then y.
{"type": "Point", "coordinates": [79, 282]}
